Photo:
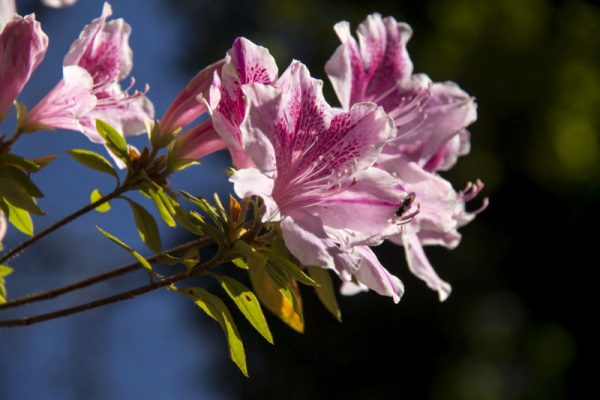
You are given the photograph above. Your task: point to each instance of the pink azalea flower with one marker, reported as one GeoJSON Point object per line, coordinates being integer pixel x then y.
{"type": "Point", "coordinates": [314, 169]}
{"type": "Point", "coordinates": [7, 9]}
{"type": "Point", "coordinates": [3, 227]}
{"type": "Point", "coordinates": [427, 115]}
{"type": "Point", "coordinates": [89, 90]}
{"type": "Point", "coordinates": [189, 103]}
{"type": "Point", "coordinates": [58, 3]}
{"type": "Point", "coordinates": [372, 275]}
{"type": "Point", "coordinates": [245, 63]}
{"type": "Point", "coordinates": [22, 48]}
{"type": "Point", "coordinates": [431, 120]}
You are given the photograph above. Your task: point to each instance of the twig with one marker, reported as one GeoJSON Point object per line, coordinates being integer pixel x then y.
{"type": "Point", "coordinates": [112, 299]}
{"type": "Point", "coordinates": [23, 245]}
{"type": "Point", "coordinates": [99, 278]}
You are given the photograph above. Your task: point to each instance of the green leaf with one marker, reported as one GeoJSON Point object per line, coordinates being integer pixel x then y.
{"type": "Point", "coordinates": [250, 254]}
{"type": "Point", "coordinates": [160, 206]}
{"type": "Point", "coordinates": [247, 303]}
{"type": "Point", "coordinates": [270, 296]}
{"type": "Point", "coordinates": [146, 226]}
{"type": "Point", "coordinates": [93, 160]}
{"type": "Point", "coordinates": [288, 267]}
{"type": "Point", "coordinates": [208, 208]}
{"type": "Point", "coordinates": [14, 194]}
{"type": "Point", "coordinates": [137, 256]}
{"type": "Point", "coordinates": [240, 263]}
{"type": "Point", "coordinates": [284, 284]}
{"type": "Point", "coordinates": [18, 217]}
{"type": "Point", "coordinates": [21, 179]}
{"type": "Point", "coordinates": [19, 162]}
{"type": "Point", "coordinates": [5, 270]}
{"type": "Point", "coordinates": [44, 160]}
{"type": "Point", "coordinates": [114, 141]}
{"type": "Point", "coordinates": [218, 311]}
{"type": "Point", "coordinates": [95, 196]}
{"type": "Point", "coordinates": [325, 290]}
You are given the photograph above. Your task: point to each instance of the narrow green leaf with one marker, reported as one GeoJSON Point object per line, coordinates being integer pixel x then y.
{"type": "Point", "coordinates": [240, 263]}
{"type": "Point", "coordinates": [134, 253]}
{"type": "Point", "coordinates": [19, 162]}
{"type": "Point", "coordinates": [283, 283]}
{"type": "Point", "coordinates": [288, 267]}
{"type": "Point", "coordinates": [220, 207]}
{"type": "Point", "coordinates": [146, 226]}
{"type": "Point", "coordinates": [95, 196]}
{"type": "Point", "coordinates": [252, 257]}
{"type": "Point", "coordinates": [270, 296]}
{"type": "Point", "coordinates": [14, 194]}
{"type": "Point", "coordinates": [217, 310]}
{"type": "Point", "coordinates": [162, 209]}
{"type": "Point", "coordinates": [325, 290]}
{"type": "Point", "coordinates": [21, 179]}
{"type": "Point", "coordinates": [208, 208]}
{"type": "Point", "coordinates": [114, 140]}
{"type": "Point", "coordinates": [44, 160]}
{"type": "Point", "coordinates": [5, 270]}
{"type": "Point", "coordinates": [93, 160]}
{"type": "Point", "coordinates": [247, 303]}
{"type": "Point", "coordinates": [18, 217]}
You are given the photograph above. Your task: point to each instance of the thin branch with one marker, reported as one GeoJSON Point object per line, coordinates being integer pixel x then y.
{"type": "Point", "coordinates": [23, 245]}
{"type": "Point", "coordinates": [112, 299]}
{"type": "Point", "coordinates": [100, 277]}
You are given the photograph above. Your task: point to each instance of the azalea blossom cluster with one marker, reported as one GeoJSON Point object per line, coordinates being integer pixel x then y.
{"type": "Point", "coordinates": [332, 181]}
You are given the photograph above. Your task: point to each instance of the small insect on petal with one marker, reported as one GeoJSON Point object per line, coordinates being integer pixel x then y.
{"type": "Point", "coordinates": [408, 200]}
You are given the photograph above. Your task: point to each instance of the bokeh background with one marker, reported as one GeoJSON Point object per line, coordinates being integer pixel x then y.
{"type": "Point", "coordinates": [515, 325]}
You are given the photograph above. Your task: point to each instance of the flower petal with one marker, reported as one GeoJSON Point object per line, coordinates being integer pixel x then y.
{"type": "Point", "coordinates": [420, 266]}
{"type": "Point", "coordinates": [306, 239]}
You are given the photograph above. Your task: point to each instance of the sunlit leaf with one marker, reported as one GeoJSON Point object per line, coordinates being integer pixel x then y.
{"type": "Point", "coordinates": [137, 256]}
{"type": "Point", "coordinates": [8, 159]}
{"type": "Point", "coordinates": [114, 141]}
{"type": "Point", "coordinates": [95, 196]}
{"type": "Point", "coordinates": [21, 179]}
{"type": "Point", "coordinates": [93, 160]}
{"type": "Point", "coordinates": [146, 226]}
{"type": "Point", "coordinates": [235, 210]}
{"type": "Point", "coordinates": [18, 217]}
{"type": "Point", "coordinates": [14, 194]}
{"type": "Point", "coordinates": [217, 310]}
{"type": "Point", "coordinates": [325, 290]}
{"type": "Point", "coordinates": [272, 298]}
{"type": "Point", "coordinates": [288, 267]}
{"type": "Point", "coordinates": [247, 303]}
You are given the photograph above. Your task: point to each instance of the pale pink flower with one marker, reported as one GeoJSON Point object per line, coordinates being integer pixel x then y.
{"type": "Point", "coordinates": [58, 3]}
{"type": "Point", "coordinates": [8, 8]}
{"type": "Point", "coordinates": [431, 120]}
{"type": "Point", "coordinates": [314, 169]}
{"type": "Point", "coordinates": [3, 227]}
{"type": "Point", "coordinates": [245, 63]}
{"type": "Point", "coordinates": [189, 103]}
{"type": "Point", "coordinates": [89, 90]}
{"type": "Point", "coordinates": [23, 45]}
{"type": "Point", "coordinates": [372, 275]}
{"type": "Point", "coordinates": [427, 115]}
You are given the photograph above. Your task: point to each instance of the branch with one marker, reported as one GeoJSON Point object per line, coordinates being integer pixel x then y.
{"type": "Point", "coordinates": [99, 278]}
{"type": "Point", "coordinates": [23, 245]}
{"type": "Point", "coordinates": [112, 299]}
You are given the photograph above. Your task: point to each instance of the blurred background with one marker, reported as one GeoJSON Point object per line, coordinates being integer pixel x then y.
{"type": "Point", "coordinates": [515, 324]}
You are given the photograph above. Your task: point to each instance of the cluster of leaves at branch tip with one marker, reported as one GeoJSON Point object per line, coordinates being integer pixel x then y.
{"type": "Point", "coordinates": [18, 193]}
